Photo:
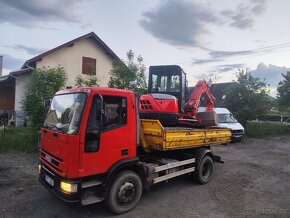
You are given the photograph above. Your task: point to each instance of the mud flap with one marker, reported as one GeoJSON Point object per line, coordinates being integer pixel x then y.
{"type": "Point", "coordinates": [218, 159]}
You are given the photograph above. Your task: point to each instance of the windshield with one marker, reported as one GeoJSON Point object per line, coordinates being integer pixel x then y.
{"type": "Point", "coordinates": [65, 113]}
{"type": "Point", "coordinates": [165, 83]}
{"type": "Point", "coordinates": [226, 118]}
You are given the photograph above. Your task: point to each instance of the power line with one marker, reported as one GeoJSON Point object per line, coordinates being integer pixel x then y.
{"type": "Point", "coordinates": [250, 52]}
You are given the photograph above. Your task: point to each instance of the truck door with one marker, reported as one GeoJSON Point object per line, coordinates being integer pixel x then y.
{"type": "Point", "coordinates": [110, 134]}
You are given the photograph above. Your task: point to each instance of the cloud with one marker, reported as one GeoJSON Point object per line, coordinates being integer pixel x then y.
{"type": "Point", "coordinates": [228, 67]}
{"type": "Point", "coordinates": [29, 50]}
{"type": "Point", "coordinates": [271, 73]}
{"type": "Point", "coordinates": [217, 56]}
{"type": "Point", "coordinates": [11, 63]}
{"type": "Point", "coordinates": [243, 17]}
{"type": "Point", "coordinates": [200, 61]}
{"type": "Point", "coordinates": [186, 23]}
{"type": "Point", "coordinates": [181, 23]}
{"type": "Point", "coordinates": [33, 13]}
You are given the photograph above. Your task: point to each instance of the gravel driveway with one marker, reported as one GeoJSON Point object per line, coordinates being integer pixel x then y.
{"type": "Point", "coordinates": [254, 181]}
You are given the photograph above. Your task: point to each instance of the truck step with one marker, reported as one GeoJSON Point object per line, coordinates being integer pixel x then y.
{"type": "Point", "coordinates": [91, 183]}
{"type": "Point", "coordinates": [91, 200]}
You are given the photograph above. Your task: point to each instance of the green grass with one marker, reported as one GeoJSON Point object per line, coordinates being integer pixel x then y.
{"type": "Point", "coordinates": [18, 140]}
{"type": "Point", "coordinates": [265, 130]}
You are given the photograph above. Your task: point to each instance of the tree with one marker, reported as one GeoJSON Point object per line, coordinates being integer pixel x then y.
{"type": "Point", "coordinates": [89, 81]}
{"type": "Point", "coordinates": [45, 82]}
{"type": "Point", "coordinates": [283, 95]}
{"type": "Point", "coordinates": [247, 98]}
{"type": "Point", "coordinates": [131, 76]}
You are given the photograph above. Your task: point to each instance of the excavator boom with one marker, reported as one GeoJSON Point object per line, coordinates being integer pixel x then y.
{"type": "Point", "coordinates": [191, 106]}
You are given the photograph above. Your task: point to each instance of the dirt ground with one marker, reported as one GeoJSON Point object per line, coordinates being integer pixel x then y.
{"type": "Point", "coordinates": [254, 181]}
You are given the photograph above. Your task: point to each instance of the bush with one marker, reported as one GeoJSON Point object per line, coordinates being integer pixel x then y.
{"type": "Point", "coordinates": [265, 130]}
{"type": "Point", "coordinates": [19, 140]}
{"type": "Point", "coordinates": [44, 83]}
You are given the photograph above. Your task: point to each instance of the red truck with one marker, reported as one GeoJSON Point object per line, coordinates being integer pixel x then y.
{"type": "Point", "coordinates": [95, 148]}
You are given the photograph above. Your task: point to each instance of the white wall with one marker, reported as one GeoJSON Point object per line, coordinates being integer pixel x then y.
{"type": "Point", "coordinates": [70, 58]}
{"type": "Point", "coordinates": [21, 87]}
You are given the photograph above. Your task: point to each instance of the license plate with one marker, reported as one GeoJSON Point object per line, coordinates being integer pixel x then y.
{"type": "Point", "coordinates": [49, 180]}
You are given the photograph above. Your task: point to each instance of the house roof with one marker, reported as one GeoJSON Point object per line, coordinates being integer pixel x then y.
{"type": "Point", "coordinates": [4, 78]}
{"type": "Point", "coordinates": [20, 71]}
{"type": "Point", "coordinates": [13, 74]}
{"type": "Point", "coordinates": [218, 89]}
{"type": "Point", "coordinates": [90, 35]}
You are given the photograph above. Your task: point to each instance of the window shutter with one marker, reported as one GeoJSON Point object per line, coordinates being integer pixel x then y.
{"type": "Point", "coordinates": [89, 66]}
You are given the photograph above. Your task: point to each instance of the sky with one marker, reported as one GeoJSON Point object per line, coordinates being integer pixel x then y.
{"type": "Point", "coordinates": [208, 39]}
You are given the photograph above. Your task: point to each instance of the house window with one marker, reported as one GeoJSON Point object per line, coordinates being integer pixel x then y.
{"type": "Point", "coordinates": [89, 66]}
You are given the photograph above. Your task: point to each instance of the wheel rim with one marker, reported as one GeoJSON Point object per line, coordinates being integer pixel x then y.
{"type": "Point", "coordinates": [126, 193]}
{"type": "Point", "coordinates": [206, 170]}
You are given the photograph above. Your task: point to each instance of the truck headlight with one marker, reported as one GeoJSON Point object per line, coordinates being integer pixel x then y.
{"type": "Point", "coordinates": [68, 187]}
{"type": "Point", "coordinates": [39, 168]}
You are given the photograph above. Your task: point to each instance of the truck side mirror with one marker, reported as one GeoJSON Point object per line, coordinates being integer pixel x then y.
{"type": "Point", "coordinates": [47, 104]}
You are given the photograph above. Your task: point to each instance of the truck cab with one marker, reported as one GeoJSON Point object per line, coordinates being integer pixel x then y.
{"type": "Point", "coordinates": [78, 138]}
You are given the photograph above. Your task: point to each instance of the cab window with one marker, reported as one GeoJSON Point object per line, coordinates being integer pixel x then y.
{"type": "Point", "coordinates": [114, 112]}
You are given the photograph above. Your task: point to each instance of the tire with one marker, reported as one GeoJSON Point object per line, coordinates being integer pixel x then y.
{"type": "Point", "coordinates": [125, 192]}
{"type": "Point", "coordinates": [204, 170]}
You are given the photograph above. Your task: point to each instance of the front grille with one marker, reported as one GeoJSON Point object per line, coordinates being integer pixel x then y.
{"type": "Point", "coordinates": [51, 161]}
{"type": "Point", "coordinates": [238, 131]}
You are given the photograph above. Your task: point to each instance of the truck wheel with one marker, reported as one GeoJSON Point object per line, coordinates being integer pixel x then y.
{"type": "Point", "coordinates": [204, 170]}
{"type": "Point", "coordinates": [124, 193]}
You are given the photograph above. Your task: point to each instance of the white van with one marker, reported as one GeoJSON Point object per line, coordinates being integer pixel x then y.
{"type": "Point", "coordinates": [227, 120]}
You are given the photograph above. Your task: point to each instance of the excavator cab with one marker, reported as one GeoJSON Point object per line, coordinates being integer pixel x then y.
{"type": "Point", "coordinates": [170, 80]}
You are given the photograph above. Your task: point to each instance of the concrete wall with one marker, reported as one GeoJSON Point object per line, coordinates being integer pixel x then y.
{"type": "Point", "coordinates": [21, 87]}
{"type": "Point", "coordinates": [70, 58]}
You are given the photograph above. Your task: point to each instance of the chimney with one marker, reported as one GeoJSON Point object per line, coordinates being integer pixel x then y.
{"type": "Point", "coordinates": [1, 64]}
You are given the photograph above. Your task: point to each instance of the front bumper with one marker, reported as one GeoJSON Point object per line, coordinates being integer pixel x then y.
{"type": "Point", "coordinates": [52, 181]}
{"type": "Point", "coordinates": [237, 135]}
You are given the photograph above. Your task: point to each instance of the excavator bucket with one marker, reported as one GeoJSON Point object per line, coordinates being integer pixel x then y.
{"type": "Point", "coordinates": [207, 119]}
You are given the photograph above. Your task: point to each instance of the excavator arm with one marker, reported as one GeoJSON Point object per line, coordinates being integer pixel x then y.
{"type": "Point", "coordinates": [190, 108]}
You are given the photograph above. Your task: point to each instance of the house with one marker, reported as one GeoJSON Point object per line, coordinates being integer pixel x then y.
{"type": "Point", "coordinates": [85, 55]}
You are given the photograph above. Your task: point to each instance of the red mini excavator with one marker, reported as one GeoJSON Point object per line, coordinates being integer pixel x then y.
{"type": "Point", "coordinates": [168, 101]}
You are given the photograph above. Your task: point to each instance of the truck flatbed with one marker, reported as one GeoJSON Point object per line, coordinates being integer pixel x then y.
{"type": "Point", "coordinates": [153, 136]}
